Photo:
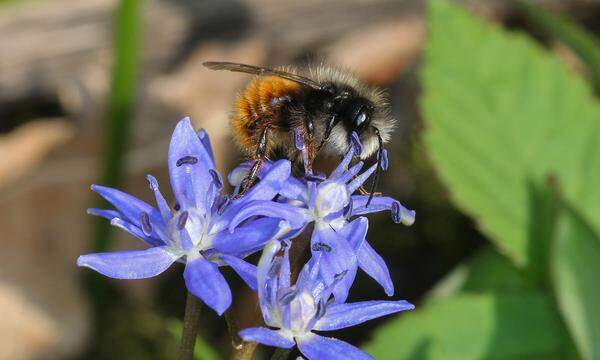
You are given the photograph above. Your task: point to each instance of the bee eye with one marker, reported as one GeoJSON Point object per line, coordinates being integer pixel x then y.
{"type": "Point", "coordinates": [360, 119]}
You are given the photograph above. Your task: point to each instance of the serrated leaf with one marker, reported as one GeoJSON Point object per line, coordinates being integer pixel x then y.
{"type": "Point", "coordinates": [514, 326]}
{"type": "Point", "coordinates": [501, 114]}
{"type": "Point", "coordinates": [575, 268]}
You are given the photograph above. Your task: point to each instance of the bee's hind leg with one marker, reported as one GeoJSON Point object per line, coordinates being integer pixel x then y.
{"type": "Point", "coordinates": [261, 151]}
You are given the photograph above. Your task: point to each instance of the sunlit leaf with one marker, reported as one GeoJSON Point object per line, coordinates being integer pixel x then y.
{"type": "Point", "coordinates": [501, 114]}
{"type": "Point", "coordinates": [515, 326]}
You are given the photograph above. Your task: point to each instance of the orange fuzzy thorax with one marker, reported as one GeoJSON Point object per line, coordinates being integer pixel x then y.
{"type": "Point", "coordinates": [254, 109]}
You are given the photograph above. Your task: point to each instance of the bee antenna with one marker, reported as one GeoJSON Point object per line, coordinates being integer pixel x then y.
{"type": "Point", "coordinates": [378, 169]}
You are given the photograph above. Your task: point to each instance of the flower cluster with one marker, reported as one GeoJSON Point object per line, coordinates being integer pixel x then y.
{"type": "Point", "coordinates": [205, 229]}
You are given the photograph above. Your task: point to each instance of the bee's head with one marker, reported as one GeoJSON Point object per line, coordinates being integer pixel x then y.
{"type": "Point", "coordinates": [352, 110]}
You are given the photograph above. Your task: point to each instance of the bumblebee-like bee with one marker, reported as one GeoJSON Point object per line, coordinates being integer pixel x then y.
{"type": "Point", "coordinates": [322, 105]}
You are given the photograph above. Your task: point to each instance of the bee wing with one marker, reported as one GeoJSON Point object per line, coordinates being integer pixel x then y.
{"type": "Point", "coordinates": [261, 71]}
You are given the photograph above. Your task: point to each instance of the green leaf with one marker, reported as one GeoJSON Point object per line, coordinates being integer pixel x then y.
{"type": "Point", "coordinates": [473, 327]}
{"type": "Point", "coordinates": [501, 114]}
{"type": "Point", "coordinates": [485, 271]}
{"type": "Point", "coordinates": [585, 44]}
{"type": "Point", "coordinates": [576, 270]}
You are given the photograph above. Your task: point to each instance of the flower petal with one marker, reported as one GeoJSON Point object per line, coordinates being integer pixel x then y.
{"type": "Point", "coordinates": [294, 215]}
{"type": "Point", "coordinates": [374, 265]}
{"type": "Point", "coordinates": [266, 280]}
{"type": "Point", "coordinates": [340, 316]}
{"type": "Point", "coordinates": [249, 237]}
{"type": "Point", "coordinates": [382, 203]}
{"type": "Point", "coordinates": [343, 166]}
{"type": "Point", "coordinates": [130, 264]}
{"type": "Point", "coordinates": [269, 184]}
{"type": "Point", "coordinates": [337, 256]}
{"type": "Point", "coordinates": [135, 231]}
{"type": "Point", "coordinates": [267, 337]}
{"type": "Point", "coordinates": [189, 166]}
{"type": "Point", "coordinates": [205, 139]}
{"type": "Point", "coordinates": [163, 207]}
{"type": "Point", "coordinates": [244, 269]}
{"type": "Point", "coordinates": [133, 209]}
{"type": "Point", "coordinates": [316, 347]}
{"type": "Point", "coordinates": [204, 280]}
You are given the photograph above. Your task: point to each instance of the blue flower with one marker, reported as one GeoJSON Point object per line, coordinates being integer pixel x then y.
{"type": "Point", "coordinates": [198, 230]}
{"type": "Point", "coordinates": [329, 203]}
{"type": "Point", "coordinates": [294, 311]}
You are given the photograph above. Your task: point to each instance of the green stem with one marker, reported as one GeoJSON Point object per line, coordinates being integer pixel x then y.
{"type": "Point", "coordinates": [191, 320]}
{"type": "Point", "coordinates": [232, 328]}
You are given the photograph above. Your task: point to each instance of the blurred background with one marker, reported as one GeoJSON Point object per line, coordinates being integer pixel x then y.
{"type": "Point", "coordinates": [497, 150]}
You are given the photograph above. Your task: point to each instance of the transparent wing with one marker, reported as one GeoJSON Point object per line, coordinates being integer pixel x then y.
{"type": "Point", "coordinates": [261, 71]}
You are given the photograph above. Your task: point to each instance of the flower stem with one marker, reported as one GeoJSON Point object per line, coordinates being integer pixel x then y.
{"type": "Point", "coordinates": [191, 320]}
{"type": "Point", "coordinates": [232, 327]}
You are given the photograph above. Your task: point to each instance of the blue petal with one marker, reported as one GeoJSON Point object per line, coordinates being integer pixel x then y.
{"type": "Point", "coordinates": [203, 136]}
{"type": "Point", "coordinates": [203, 279]}
{"type": "Point", "coordinates": [245, 270]}
{"type": "Point", "coordinates": [107, 214]}
{"type": "Point", "coordinates": [265, 280]}
{"type": "Point", "coordinates": [374, 265]}
{"type": "Point", "coordinates": [270, 184]}
{"type": "Point", "coordinates": [343, 166]}
{"type": "Point", "coordinates": [266, 337]}
{"type": "Point", "coordinates": [135, 231]}
{"type": "Point", "coordinates": [340, 316]}
{"type": "Point", "coordinates": [132, 208]}
{"type": "Point", "coordinates": [360, 179]}
{"type": "Point", "coordinates": [163, 207]}
{"type": "Point", "coordinates": [382, 203]}
{"type": "Point", "coordinates": [316, 347]}
{"type": "Point", "coordinates": [130, 264]}
{"type": "Point", "coordinates": [337, 256]}
{"type": "Point", "coordinates": [294, 215]}
{"type": "Point", "coordinates": [249, 237]}
{"type": "Point", "coordinates": [368, 259]}
{"type": "Point", "coordinates": [190, 179]}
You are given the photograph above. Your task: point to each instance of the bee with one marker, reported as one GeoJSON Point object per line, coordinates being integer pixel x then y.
{"type": "Point", "coordinates": [321, 105]}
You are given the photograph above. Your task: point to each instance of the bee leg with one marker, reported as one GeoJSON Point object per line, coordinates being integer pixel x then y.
{"type": "Point", "coordinates": [261, 151]}
{"type": "Point", "coordinates": [364, 191]}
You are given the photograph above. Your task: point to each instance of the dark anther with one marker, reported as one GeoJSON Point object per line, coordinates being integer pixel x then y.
{"type": "Point", "coordinates": [191, 160]}
{"type": "Point", "coordinates": [321, 247]}
{"type": "Point", "coordinates": [287, 296]}
{"type": "Point", "coordinates": [356, 144]}
{"type": "Point", "coordinates": [315, 177]}
{"type": "Point", "coordinates": [177, 207]}
{"type": "Point", "coordinates": [340, 276]}
{"type": "Point", "coordinates": [216, 179]}
{"type": "Point", "coordinates": [396, 216]}
{"type": "Point", "coordinates": [182, 220]}
{"type": "Point", "coordinates": [221, 208]}
{"type": "Point", "coordinates": [321, 309]}
{"type": "Point", "coordinates": [146, 226]}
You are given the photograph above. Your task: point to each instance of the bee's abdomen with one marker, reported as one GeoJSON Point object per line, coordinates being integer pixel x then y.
{"type": "Point", "coordinates": [259, 106]}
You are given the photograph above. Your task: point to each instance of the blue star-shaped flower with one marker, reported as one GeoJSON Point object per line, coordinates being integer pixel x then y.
{"type": "Point", "coordinates": [330, 204]}
{"type": "Point", "coordinates": [198, 230]}
{"type": "Point", "coordinates": [296, 310]}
